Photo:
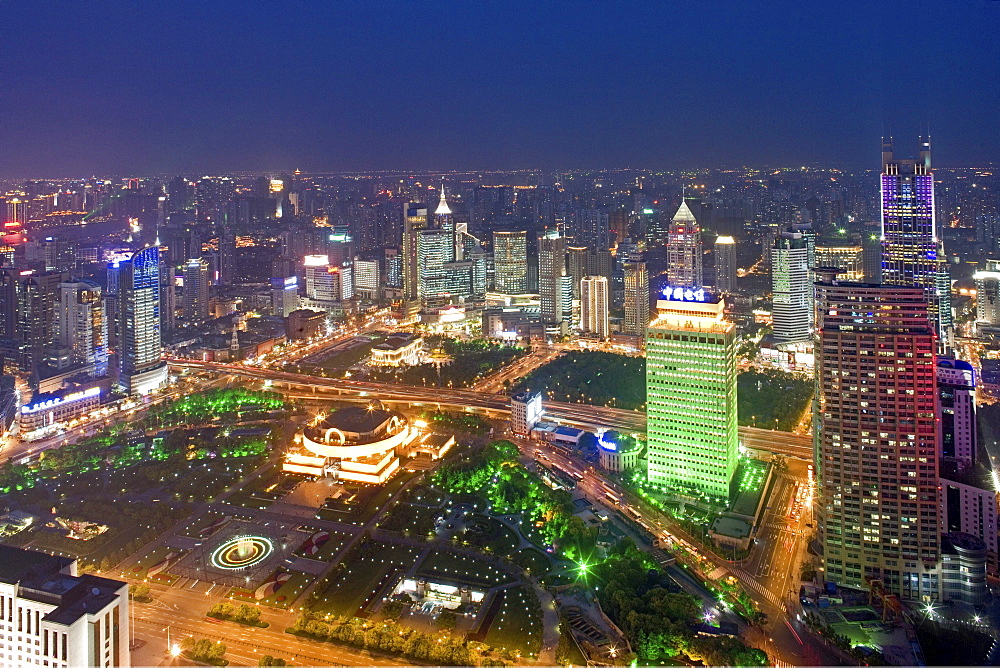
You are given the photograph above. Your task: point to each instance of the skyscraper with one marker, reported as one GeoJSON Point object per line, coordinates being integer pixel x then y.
{"type": "Point", "coordinates": [83, 325]}
{"type": "Point", "coordinates": [636, 296]}
{"type": "Point", "coordinates": [443, 218]}
{"type": "Point", "coordinates": [988, 294]}
{"type": "Point", "coordinates": [196, 282]}
{"type": "Point", "coordinates": [141, 367]}
{"type": "Point", "coordinates": [594, 306]}
{"type": "Point", "coordinates": [551, 270]}
{"type": "Point", "coordinates": [414, 220]}
{"type": "Point", "coordinates": [912, 254]}
{"type": "Point", "coordinates": [691, 395]}
{"type": "Point", "coordinates": [792, 312]}
{"type": "Point", "coordinates": [510, 262]}
{"type": "Point", "coordinates": [877, 437]}
{"type": "Point", "coordinates": [725, 265]}
{"type": "Point", "coordinates": [684, 249]}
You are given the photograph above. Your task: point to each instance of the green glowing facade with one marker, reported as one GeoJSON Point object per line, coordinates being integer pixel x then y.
{"type": "Point", "coordinates": [693, 442]}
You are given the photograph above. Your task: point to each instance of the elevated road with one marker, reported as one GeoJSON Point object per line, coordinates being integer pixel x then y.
{"type": "Point", "coordinates": [579, 415]}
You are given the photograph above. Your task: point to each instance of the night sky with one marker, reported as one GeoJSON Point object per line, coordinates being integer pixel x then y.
{"type": "Point", "coordinates": [117, 88]}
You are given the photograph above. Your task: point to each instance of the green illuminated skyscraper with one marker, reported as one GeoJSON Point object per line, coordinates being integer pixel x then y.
{"type": "Point", "coordinates": [692, 437]}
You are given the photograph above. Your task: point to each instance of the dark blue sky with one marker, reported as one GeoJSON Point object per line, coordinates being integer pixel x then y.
{"type": "Point", "coordinates": [148, 87]}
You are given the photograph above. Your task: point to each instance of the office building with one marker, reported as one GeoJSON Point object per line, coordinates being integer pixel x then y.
{"type": "Point", "coordinates": [849, 259]}
{"type": "Point", "coordinates": [956, 386]}
{"type": "Point", "coordinates": [692, 441]}
{"type": "Point", "coordinates": [414, 221]}
{"type": "Point", "coordinates": [435, 277]}
{"type": "Point", "coordinates": [510, 262]}
{"type": "Point", "coordinates": [525, 412]}
{"type": "Point", "coordinates": [877, 437]}
{"type": "Point", "coordinates": [83, 326]}
{"type": "Point", "coordinates": [684, 249]}
{"type": "Point", "coordinates": [37, 330]}
{"type": "Point", "coordinates": [141, 367]}
{"type": "Point", "coordinates": [792, 311]}
{"type": "Point", "coordinates": [594, 306]}
{"type": "Point", "coordinates": [912, 254]}
{"type": "Point", "coordinates": [51, 616]}
{"type": "Point", "coordinates": [168, 301]}
{"type": "Point", "coordinates": [196, 285]}
{"type": "Point", "coordinates": [367, 279]}
{"type": "Point", "coordinates": [725, 265]}
{"type": "Point", "coordinates": [988, 294]}
{"type": "Point", "coordinates": [636, 296]}
{"type": "Point", "coordinates": [551, 271]}
{"type": "Point", "coordinates": [443, 217]}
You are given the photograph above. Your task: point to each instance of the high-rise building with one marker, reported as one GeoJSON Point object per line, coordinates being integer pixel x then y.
{"type": "Point", "coordinates": [435, 251]}
{"type": "Point", "coordinates": [551, 270]}
{"type": "Point", "coordinates": [83, 325]}
{"type": "Point", "coordinates": [636, 296]}
{"type": "Point", "coordinates": [912, 254]}
{"type": "Point", "coordinates": [792, 311]}
{"type": "Point", "coordinates": [692, 437]}
{"type": "Point", "coordinates": [510, 261]}
{"type": "Point", "coordinates": [443, 218]}
{"type": "Point", "coordinates": [849, 259]}
{"type": "Point", "coordinates": [684, 249]}
{"type": "Point", "coordinates": [37, 326]}
{"type": "Point", "coordinates": [725, 265]}
{"type": "Point", "coordinates": [988, 294]}
{"type": "Point", "coordinates": [140, 353]}
{"type": "Point", "coordinates": [62, 618]}
{"type": "Point", "coordinates": [956, 386]}
{"type": "Point", "coordinates": [367, 279]}
{"type": "Point", "coordinates": [168, 301]}
{"type": "Point", "coordinates": [594, 306]}
{"type": "Point", "coordinates": [414, 221]}
{"type": "Point", "coordinates": [877, 437]}
{"type": "Point", "coordinates": [196, 284]}
{"type": "Point", "coordinates": [227, 256]}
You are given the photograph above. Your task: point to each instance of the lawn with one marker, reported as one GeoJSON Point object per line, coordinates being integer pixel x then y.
{"type": "Point", "coordinates": [345, 359]}
{"type": "Point", "coordinates": [487, 533]}
{"type": "Point", "coordinates": [366, 501]}
{"type": "Point", "coordinates": [532, 560]}
{"type": "Point", "coordinates": [361, 576]}
{"type": "Point", "coordinates": [470, 361]}
{"type": "Point", "coordinates": [592, 377]}
{"type": "Point", "coordinates": [410, 519]}
{"type": "Point", "coordinates": [517, 626]}
{"type": "Point", "coordinates": [772, 398]}
{"type": "Point", "coordinates": [328, 549]}
{"type": "Point", "coordinates": [464, 569]}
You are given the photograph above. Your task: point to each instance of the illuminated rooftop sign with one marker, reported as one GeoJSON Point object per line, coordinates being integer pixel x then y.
{"type": "Point", "coordinates": [685, 294]}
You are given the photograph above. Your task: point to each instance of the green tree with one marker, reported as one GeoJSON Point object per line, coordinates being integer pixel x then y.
{"type": "Point", "coordinates": [447, 620]}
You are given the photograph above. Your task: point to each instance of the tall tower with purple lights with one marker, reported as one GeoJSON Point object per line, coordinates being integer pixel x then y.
{"type": "Point", "coordinates": [912, 253]}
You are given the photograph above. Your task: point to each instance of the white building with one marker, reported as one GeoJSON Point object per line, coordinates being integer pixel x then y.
{"type": "Point", "coordinates": [988, 294]}
{"type": "Point", "coordinates": [525, 412]}
{"type": "Point", "coordinates": [792, 289]}
{"type": "Point", "coordinates": [367, 279]}
{"type": "Point", "coordinates": [50, 616]}
{"type": "Point", "coordinates": [284, 295]}
{"type": "Point", "coordinates": [594, 306]}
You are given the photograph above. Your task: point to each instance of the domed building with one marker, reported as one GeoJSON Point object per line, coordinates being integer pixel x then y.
{"type": "Point", "coordinates": [359, 444]}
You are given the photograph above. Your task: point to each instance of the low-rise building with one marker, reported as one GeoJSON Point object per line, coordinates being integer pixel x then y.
{"type": "Point", "coordinates": [402, 349]}
{"type": "Point", "coordinates": [618, 452]}
{"type": "Point", "coordinates": [48, 410]}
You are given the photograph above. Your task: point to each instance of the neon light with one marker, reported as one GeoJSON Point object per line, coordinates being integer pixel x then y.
{"type": "Point", "coordinates": [685, 294]}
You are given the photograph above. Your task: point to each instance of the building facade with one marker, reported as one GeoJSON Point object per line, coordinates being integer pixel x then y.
{"type": "Point", "coordinates": [792, 310]}
{"type": "Point", "coordinates": [877, 437]}
{"type": "Point", "coordinates": [196, 286]}
{"type": "Point", "coordinates": [684, 266]}
{"type": "Point", "coordinates": [50, 616]}
{"type": "Point", "coordinates": [594, 317]}
{"type": "Point", "coordinates": [140, 351]}
{"type": "Point", "coordinates": [83, 325]}
{"type": "Point", "coordinates": [725, 265]}
{"type": "Point", "coordinates": [636, 279]}
{"type": "Point", "coordinates": [692, 440]}
{"type": "Point", "coordinates": [912, 254]}
{"type": "Point", "coordinates": [510, 262]}
{"type": "Point", "coordinates": [988, 294]}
